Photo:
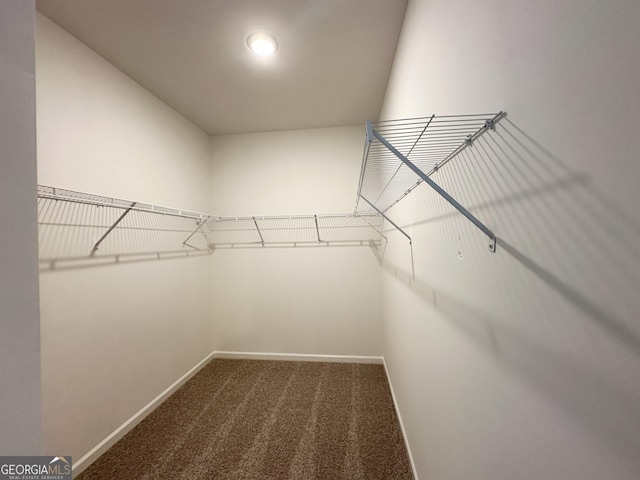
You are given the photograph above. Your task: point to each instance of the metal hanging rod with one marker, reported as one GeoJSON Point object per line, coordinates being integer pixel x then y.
{"type": "Point", "coordinates": [401, 154]}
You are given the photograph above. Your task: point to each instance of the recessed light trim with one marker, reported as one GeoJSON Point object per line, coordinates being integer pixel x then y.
{"type": "Point", "coordinates": [262, 44]}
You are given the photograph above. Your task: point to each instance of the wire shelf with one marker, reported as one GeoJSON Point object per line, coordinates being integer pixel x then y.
{"type": "Point", "coordinates": [401, 154]}
{"type": "Point", "coordinates": [54, 193]}
{"type": "Point", "coordinates": [428, 142]}
{"type": "Point", "coordinates": [294, 230]}
{"type": "Point", "coordinates": [82, 227]}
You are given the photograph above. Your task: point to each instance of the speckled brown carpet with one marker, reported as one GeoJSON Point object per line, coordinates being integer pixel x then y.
{"type": "Point", "coordinates": [266, 420]}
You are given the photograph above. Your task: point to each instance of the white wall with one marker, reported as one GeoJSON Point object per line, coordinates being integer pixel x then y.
{"type": "Point", "coordinates": [524, 363]}
{"type": "Point", "coordinates": [114, 337]}
{"type": "Point", "coordinates": [309, 300]}
{"type": "Point", "coordinates": [20, 421]}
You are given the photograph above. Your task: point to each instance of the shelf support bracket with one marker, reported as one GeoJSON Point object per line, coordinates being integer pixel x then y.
{"type": "Point", "coordinates": [115, 224]}
{"type": "Point", "coordinates": [200, 224]}
{"type": "Point", "coordinates": [387, 219]}
{"type": "Point", "coordinates": [258, 230]}
{"type": "Point", "coordinates": [367, 143]}
{"type": "Point", "coordinates": [440, 191]}
{"type": "Point", "coordinates": [315, 219]}
{"type": "Point", "coordinates": [369, 129]}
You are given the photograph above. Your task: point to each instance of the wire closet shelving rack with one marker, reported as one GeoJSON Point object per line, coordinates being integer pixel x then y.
{"type": "Point", "coordinates": [401, 154]}
{"type": "Point", "coordinates": [76, 228]}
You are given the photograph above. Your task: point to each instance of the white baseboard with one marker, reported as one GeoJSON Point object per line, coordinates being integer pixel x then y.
{"type": "Point", "coordinates": [127, 426]}
{"type": "Point", "coordinates": [298, 357]}
{"type": "Point", "coordinates": [404, 433]}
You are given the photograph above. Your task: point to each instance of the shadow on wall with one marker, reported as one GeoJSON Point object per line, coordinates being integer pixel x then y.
{"type": "Point", "coordinates": [559, 302]}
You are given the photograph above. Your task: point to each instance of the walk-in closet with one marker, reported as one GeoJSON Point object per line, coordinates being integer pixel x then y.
{"type": "Point", "coordinates": [321, 239]}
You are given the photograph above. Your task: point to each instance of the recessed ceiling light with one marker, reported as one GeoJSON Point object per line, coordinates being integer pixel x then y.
{"type": "Point", "coordinates": [262, 44]}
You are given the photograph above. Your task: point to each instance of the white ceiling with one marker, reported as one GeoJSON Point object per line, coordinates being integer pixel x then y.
{"type": "Point", "coordinates": [331, 67]}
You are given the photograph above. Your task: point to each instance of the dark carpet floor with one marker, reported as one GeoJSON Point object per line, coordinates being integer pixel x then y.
{"type": "Point", "coordinates": [266, 420]}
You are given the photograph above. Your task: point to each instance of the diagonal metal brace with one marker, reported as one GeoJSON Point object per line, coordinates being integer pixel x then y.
{"type": "Point", "coordinates": [201, 223]}
{"type": "Point", "coordinates": [255, 222]}
{"type": "Point", "coordinates": [315, 219]}
{"type": "Point", "coordinates": [387, 218]}
{"type": "Point", "coordinates": [115, 224]}
{"type": "Point", "coordinates": [440, 191]}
